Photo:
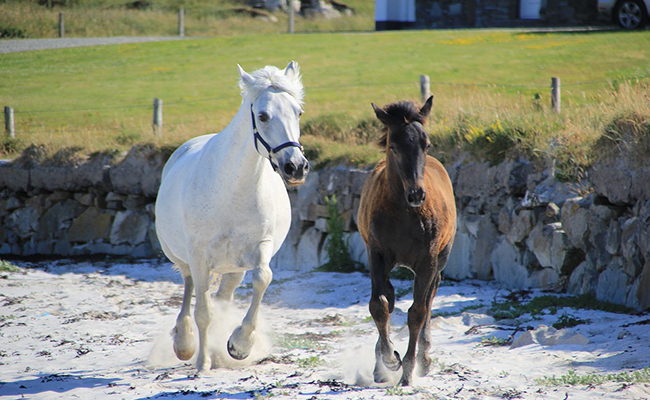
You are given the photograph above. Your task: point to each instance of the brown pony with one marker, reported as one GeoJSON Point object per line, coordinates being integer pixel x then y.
{"type": "Point", "coordinates": [407, 217]}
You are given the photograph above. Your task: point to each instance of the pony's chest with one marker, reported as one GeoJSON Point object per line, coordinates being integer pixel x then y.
{"type": "Point", "coordinates": [403, 231]}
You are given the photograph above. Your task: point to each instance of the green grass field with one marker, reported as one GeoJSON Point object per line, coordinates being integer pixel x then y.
{"type": "Point", "coordinates": [485, 84]}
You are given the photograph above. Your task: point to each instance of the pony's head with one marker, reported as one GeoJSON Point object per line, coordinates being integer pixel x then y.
{"type": "Point", "coordinates": [406, 145]}
{"type": "Point", "coordinates": [275, 100]}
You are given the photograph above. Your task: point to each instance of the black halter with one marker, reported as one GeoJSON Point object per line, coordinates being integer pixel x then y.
{"type": "Point", "coordinates": [270, 150]}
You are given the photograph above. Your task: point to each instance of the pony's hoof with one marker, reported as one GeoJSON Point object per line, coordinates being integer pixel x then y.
{"type": "Point", "coordinates": [405, 381]}
{"type": "Point", "coordinates": [393, 364]}
{"type": "Point", "coordinates": [424, 366]}
{"type": "Point", "coordinates": [380, 377]}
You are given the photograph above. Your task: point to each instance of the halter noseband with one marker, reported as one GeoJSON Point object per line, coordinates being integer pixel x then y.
{"type": "Point", "coordinates": [270, 150]}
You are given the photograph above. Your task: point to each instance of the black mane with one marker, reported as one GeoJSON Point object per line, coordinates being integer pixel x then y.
{"type": "Point", "coordinates": [403, 112]}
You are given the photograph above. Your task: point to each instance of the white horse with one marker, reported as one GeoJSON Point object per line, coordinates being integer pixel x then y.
{"type": "Point", "coordinates": [222, 206]}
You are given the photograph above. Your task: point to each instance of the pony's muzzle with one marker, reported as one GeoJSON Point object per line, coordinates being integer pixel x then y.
{"type": "Point", "coordinates": [415, 197]}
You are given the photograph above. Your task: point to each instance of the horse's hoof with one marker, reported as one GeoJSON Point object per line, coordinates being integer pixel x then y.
{"type": "Point", "coordinates": [183, 354]}
{"type": "Point", "coordinates": [424, 366]}
{"type": "Point", "coordinates": [405, 381]}
{"type": "Point", "coordinates": [393, 364]}
{"type": "Point", "coordinates": [235, 353]}
{"type": "Point", "coordinates": [380, 378]}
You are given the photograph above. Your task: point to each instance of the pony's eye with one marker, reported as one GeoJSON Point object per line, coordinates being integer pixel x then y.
{"type": "Point", "coordinates": [263, 117]}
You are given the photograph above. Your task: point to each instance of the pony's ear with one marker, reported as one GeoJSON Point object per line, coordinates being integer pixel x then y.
{"type": "Point", "coordinates": [292, 70]}
{"type": "Point", "coordinates": [383, 116]}
{"type": "Point", "coordinates": [426, 108]}
{"type": "Point", "coordinates": [246, 78]}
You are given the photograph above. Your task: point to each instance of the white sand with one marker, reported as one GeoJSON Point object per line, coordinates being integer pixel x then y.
{"type": "Point", "coordinates": [101, 331]}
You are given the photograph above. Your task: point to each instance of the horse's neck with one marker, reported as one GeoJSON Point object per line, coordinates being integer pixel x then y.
{"type": "Point", "coordinates": [237, 139]}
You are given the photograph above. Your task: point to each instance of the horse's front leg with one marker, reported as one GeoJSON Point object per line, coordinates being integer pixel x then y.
{"type": "Point", "coordinates": [382, 303]}
{"type": "Point", "coordinates": [242, 339]}
{"type": "Point", "coordinates": [203, 315]}
{"type": "Point", "coordinates": [183, 332]}
{"type": "Point", "coordinates": [422, 290]}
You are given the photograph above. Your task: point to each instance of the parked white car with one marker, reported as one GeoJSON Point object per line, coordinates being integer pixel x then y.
{"type": "Point", "coordinates": [629, 14]}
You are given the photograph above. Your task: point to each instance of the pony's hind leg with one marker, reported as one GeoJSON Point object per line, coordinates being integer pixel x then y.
{"type": "Point", "coordinates": [184, 343]}
{"type": "Point", "coordinates": [242, 339]}
{"type": "Point", "coordinates": [418, 313]}
{"type": "Point", "coordinates": [381, 305]}
{"type": "Point", "coordinates": [424, 341]}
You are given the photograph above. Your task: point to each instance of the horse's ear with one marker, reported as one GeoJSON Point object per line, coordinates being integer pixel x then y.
{"type": "Point", "coordinates": [426, 108]}
{"type": "Point", "coordinates": [383, 116]}
{"type": "Point", "coordinates": [292, 70]}
{"type": "Point", "coordinates": [246, 78]}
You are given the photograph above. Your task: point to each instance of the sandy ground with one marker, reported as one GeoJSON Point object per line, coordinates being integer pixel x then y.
{"type": "Point", "coordinates": [100, 330]}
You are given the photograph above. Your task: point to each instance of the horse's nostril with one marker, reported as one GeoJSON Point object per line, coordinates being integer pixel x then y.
{"type": "Point", "coordinates": [289, 168]}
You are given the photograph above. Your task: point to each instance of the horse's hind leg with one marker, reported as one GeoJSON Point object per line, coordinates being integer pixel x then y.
{"type": "Point", "coordinates": [242, 339]}
{"type": "Point", "coordinates": [382, 302]}
{"type": "Point", "coordinates": [184, 344]}
{"type": "Point", "coordinates": [229, 282]}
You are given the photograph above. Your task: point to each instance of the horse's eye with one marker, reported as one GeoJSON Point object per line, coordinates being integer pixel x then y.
{"type": "Point", "coordinates": [263, 117]}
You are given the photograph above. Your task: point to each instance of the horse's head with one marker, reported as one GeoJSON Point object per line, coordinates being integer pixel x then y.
{"type": "Point", "coordinates": [406, 145]}
{"type": "Point", "coordinates": [275, 99]}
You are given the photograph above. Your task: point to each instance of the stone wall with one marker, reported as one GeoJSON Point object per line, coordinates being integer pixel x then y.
{"type": "Point", "coordinates": [516, 224]}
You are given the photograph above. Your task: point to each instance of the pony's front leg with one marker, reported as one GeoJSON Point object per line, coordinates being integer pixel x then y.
{"type": "Point", "coordinates": [183, 332]}
{"type": "Point", "coordinates": [242, 339]}
{"type": "Point", "coordinates": [382, 303]}
{"type": "Point", "coordinates": [203, 316]}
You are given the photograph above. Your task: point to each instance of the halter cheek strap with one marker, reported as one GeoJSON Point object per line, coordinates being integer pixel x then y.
{"type": "Point", "coordinates": [270, 150]}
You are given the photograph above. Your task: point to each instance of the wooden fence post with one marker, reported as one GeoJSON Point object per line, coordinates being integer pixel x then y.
{"type": "Point", "coordinates": [555, 94]}
{"type": "Point", "coordinates": [425, 88]}
{"type": "Point", "coordinates": [292, 13]}
{"type": "Point", "coordinates": [9, 122]}
{"type": "Point", "coordinates": [181, 22]}
{"type": "Point", "coordinates": [61, 25]}
{"type": "Point", "coordinates": [157, 117]}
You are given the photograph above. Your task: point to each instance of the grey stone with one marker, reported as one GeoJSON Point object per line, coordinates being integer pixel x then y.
{"type": "Point", "coordinates": [308, 250]}
{"type": "Point", "coordinates": [85, 199]}
{"type": "Point", "coordinates": [612, 286]}
{"type": "Point", "coordinates": [486, 239]}
{"type": "Point", "coordinates": [574, 217]}
{"type": "Point", "coordinates": [549, 336]}
{"type": "Point", "coordinates": [139, 172]}
{"type": "Point", "coordinates": [13, 177]}
{"type": "Point", "coordinates": [545, 278]}
{"type": "Point", "coordinates": [522, 224]}
{"type": "Point", "coordinates": [539, 242]}
{"type": "Point", "coordinates": [13, 203]}
{"type": "Point", "coordinates": [509, 266]}
{"type": "Point", "coordinates": [357, 247]}
{"type": "Point", "coordinates": [642, 292]}
{"type": "Point", "coordinates": [613, 182]}
{"type": "Point", "coordinates": [58, 219]}
{"type": "Point", "coordinates": [23, 221]}
{"type": "Point", "coordinates": [475, 319]}
{"type": "Point", "coordinates": [92, 224]}
{"type": "Point", "coordinates": [129, 227]}
{"type": "Point", "coordinates": [460, 260]}
{"type": "Point", "coordinates": [613, 238]}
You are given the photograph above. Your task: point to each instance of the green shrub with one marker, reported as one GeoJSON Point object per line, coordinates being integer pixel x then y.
{"type": "Point", "coordinates": [337, 247]}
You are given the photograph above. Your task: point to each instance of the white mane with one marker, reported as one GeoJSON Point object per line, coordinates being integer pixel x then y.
{"type": "Point", "coordinates": [276, 78]}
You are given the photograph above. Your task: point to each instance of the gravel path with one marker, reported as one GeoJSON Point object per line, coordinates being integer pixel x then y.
{"type": "Point", "coordinates": [17, 45]}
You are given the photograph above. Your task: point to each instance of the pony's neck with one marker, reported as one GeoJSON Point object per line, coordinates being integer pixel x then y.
{"type": "Point", "coordinates": [393, 180]}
